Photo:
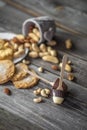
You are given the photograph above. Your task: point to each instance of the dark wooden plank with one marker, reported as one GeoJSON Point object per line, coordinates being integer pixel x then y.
{"type": "Point", "coordinates": [72, 114]}
{"type": "Point", "coordinates": [77, 4]}
{"type": "Point", "coordinates": [79, 68]}
{"type": "Point", "coordinates": [66, 17]}
{"type": "Point", "coordinates": [9, 121]}
{"type": "Point", "coordinates": [10, 22]}
{"type": "Point", "coordinates": [12, 19]}
{"type": "Point", "coordinates": [79, 44]}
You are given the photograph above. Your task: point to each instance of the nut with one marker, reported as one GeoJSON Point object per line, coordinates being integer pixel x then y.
{"type": "Point", "coordinates": [43, 48]}
{"type": "Point", "coordinates": [27, 62]}
{"type": "Point", "coordinates": [36, 31]}
{"type": "Point", "coordinates": [33, 36]}
{"type": "Point", "coordinates": [69, 62]}
{"type": "Point", "coordinates": [20, 36]}
{"type": "Point", "coordinates": [45, 92]}
{"type": "Point", "coordinates": [50, 59]}
{"type": "Point", "coordinates": [67, 67]}
{"type": "Point", "coordinates": [33, 54]}
{"type": "Point", "coordinates": [70, 76]}
{"type": "Point", "coordinates": [40, 69]}
{"type": "Point", "coordinates": [52, 43]}
{"type": "Point", "coordinates": [49, 48]}
{"type": "Point", "coordinates": [27, 45]}
{"type": "Point", "coordinates": [68, 44]}
{"type": "Point", "coordinates": [7, 91]}
{"type": "Point", "coordinates": [38, 100]}
{"type": "Point", "coordinates": [15, 46]}
{"type": "Point", "coordinates": [35, 47]}
{"type": "Point", "coordinates": [37, 91]}
{"type": "Point", "coordinates": [20, 48]}
{"type": "Point", "coordinates": [53, 52]}
{"type": "Point", "coordinates": [41, 54]}
{"type": "Point", "coordinates": [54, 67]}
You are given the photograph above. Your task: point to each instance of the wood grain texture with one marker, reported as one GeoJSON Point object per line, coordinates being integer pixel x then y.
{"type": "Point", "coordinates": [9, 121]}
{"type": "Point", "coordinates": [18, 111]}
{"type": "Point", "coordinates": [67, 18]}
{"type": "Point", "coordinates": [70, 115]}
{"type": "Point", "coordinates": [14, 22]}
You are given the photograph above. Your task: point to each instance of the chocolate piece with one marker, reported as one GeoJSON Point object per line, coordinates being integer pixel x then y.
{"type": "Point", "coordinates": [57, 83]}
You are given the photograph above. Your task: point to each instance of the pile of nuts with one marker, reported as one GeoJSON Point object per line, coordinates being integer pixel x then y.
{"type": "Point", "coordinates": [34, 33]}
{"type": "Point", "coordinates": [43, 51]}
{"type": "Point", "coordinates": [41, 93]}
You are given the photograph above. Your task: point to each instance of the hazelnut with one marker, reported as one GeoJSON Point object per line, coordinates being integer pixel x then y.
{"type": "Point", "coordinates": [70, 76]}
{"type": "Point", "coordinates": [7, 91]}
{"type": "Point", "coordinates": [54, 67]}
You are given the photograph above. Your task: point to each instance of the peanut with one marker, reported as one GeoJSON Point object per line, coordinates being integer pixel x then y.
{"type": "Point", "coordinates": [53, 53]}
{"type": "Point", "coordinates": [67, 67]}
{"type": "Point", "coordinates": [20, 36]}
{"type": "Point", "coordinates": [49, 48]}
{"type": "Point", "coordinates": [52, 43]}
{"type": "Point", "coordinates": [41, 54]}
{"type": "Point", "coordinates": [36, 31]}
{"type": "Point", "coordinates": [43, 48]}
{"type": "Point", "coordinates": [50, 59]}
{"type": "Point", "coordinates": [68, 44]}
{"type": "Point", "coordinates": [38, 100]}
{"type": "Point", "coordinates": [33, 54]}
{"type": "Point", "coordinates": [34, 37]}
{"type": "Point", "coordinates": [35, 47]}
{"type": "Point", "coordinates": [27, 45]}
{"type": "Point", "coordinates": [20, 47]}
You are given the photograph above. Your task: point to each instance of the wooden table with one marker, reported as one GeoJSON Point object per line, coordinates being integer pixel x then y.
{"type": "Point", "coordinates": [18, 111]}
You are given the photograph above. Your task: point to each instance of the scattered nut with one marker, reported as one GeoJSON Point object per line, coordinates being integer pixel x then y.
{"type": "Point", "coordinates": [50, 59]}
{"type": "Point", "coordinates": [37, 91]}
{"type": "Point", "coordinates": [69, 62]}
{"type": "Point", "coordinates": [27, 62]}
{"type": "Point", "coordinates": [53, 53]}
{"type": "Point", "coordinates": [54, 67]}
{"type": "Point", "coordinates": [70, 76]}
{"type": "Point", "coordinates": [43, 48]}
{"type": "Point", "coordinates": [68, 44]}
{"type": "Point", "coordinates": [40, 69]}
{"type": "Point", "coordinates": [7, 91]}
{"type": "Point", "coordinates": [45, 92]}
{"type": "Point", "coordinates": [33, 54]}
{"type": "Point", "coordinates": [38, 99]}
{"type": "Point", "coordinates": [67, 67]}
{"type": "Point", "coordinates": [52, 43]}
